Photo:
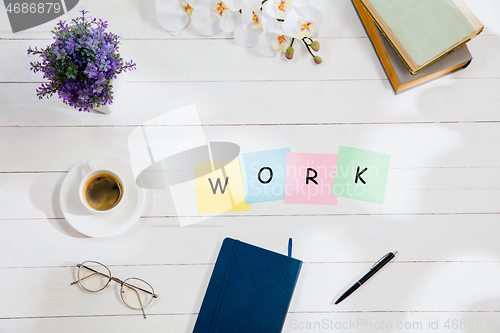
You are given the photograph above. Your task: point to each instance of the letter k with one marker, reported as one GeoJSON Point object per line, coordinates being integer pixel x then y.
{"type": "Point", "coordinates": [358, 175]}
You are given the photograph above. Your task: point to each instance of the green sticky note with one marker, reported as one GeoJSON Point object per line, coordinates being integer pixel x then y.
{"type": "Point", "coordinates": [361, 174]}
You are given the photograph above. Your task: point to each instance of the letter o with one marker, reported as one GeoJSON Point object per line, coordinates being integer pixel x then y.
{"type": "Point", "coordinates": [270, 175]}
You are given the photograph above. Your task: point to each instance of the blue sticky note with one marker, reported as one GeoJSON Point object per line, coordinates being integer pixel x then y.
{"type": "Point", "coordinates": [264, 175]}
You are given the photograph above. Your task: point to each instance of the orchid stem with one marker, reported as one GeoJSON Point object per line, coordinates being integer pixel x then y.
{"type": "Point", "coordinates": [307, 46]}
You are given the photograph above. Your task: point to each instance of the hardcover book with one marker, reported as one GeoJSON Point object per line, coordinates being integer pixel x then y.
{"type": "Point", "coordinates": [424, 31]}
{"type": "Point", "coordinates": [249, 291]}
{"type": "Point", "coordinates": [397, 72]}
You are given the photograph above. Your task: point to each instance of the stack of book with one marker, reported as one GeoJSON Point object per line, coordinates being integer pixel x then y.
{"type": "Point", "coordinates": [419, 40]}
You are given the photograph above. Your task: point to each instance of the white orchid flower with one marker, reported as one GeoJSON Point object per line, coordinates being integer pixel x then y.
{"type": "Point", "coordinates": [273, 39]}
{"type": "Point", "coordinates": [212, 16]}
{"type": "Point", "coordinates": [303, 21]}
{"type": "Point", "coordinates": [279, 9]}
{"type": "Point", "coordinates": [247, 33]}
{"type": "Point", "coordinates": [173, 15]}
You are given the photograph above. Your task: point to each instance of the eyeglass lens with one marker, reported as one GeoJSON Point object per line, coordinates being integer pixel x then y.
{"type": "Point", "coordinates": [136, 293]}
{"type": "Point", "coordinates": [93, 276]}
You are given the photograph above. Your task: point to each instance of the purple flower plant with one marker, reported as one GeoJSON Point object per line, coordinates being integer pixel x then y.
{"type": "Point", "coordinates": [81, 63]}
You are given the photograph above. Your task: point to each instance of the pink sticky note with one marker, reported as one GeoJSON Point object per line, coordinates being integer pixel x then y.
{"type": "Point", "coordinates": [309, 178]}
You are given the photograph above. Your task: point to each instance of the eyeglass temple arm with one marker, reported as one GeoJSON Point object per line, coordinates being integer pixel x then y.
{"type": "Point", "coordinates": [90, 269]}
{"type": "Point", "coordinates": [140, 302]}
{"type": "Point", "coordinates": [112, 278]}
{"type": "Point", "coordinates": [95, 272]}
{"type": "Point", "coordinates": [133, 287]}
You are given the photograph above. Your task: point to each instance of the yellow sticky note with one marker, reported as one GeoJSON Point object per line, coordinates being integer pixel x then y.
{"type": "Point", "coordinates": [219, 187]}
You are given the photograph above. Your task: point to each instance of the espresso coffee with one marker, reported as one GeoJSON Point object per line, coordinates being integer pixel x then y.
{"type": "Point", "coordinates": [102, 192]}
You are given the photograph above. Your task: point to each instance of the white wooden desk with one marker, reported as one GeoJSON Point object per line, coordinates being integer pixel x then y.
{"type": "Point", "coordinates": [441, 209]}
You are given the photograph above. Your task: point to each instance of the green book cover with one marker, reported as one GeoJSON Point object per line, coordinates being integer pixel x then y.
{"type": "Point", "coordinates": [424, 28]}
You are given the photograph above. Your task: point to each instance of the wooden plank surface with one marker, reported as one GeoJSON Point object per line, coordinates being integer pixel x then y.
{"type": "Point", "coordinates": [467, 238]}
{"type": "Point", "coordinates": [410, 191]}
{"type": "Point", "coordinates": [205, 60]}
{"type": "Point", "coordinates": [334, 102]}
{"type": "Point", "coordinates": [137, 20]}
{"type": "Point", "coordinates": [438, 144]}
{"type": "Point", "coordinates": [425, 283]}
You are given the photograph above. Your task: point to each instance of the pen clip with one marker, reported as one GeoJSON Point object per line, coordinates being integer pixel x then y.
{"type": "Point", "coordinates": [375, 264]}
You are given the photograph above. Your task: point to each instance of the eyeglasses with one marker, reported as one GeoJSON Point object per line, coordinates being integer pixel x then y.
{"type": "Point", "coordinates": [135, 293]}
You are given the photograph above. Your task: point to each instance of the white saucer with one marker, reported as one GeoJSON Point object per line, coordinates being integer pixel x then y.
{"type": "Point", "coordinates": [103, 225]}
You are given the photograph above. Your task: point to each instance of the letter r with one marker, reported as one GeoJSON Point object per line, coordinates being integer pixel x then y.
{"type": "Point", "coordinates": [311, 178]}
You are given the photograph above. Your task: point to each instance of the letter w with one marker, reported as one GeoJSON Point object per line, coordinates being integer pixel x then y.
{"type": "Point", "coordinates": [218, 184]}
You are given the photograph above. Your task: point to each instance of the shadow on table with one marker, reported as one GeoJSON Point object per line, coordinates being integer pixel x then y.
{"type": "Point", "coordinates": [468, 112]}
{"type": "Point", "coordinates": [456, 188]}
{"type": "Point", "coordinates": [44, 195]}
{"type": "Point", "coordinates": [449, 155]}
{"type": "Point", "coordinates": [480, 317]}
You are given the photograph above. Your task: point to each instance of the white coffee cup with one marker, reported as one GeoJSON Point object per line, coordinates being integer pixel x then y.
{"type": "Point", "coordinates": [97, 192]}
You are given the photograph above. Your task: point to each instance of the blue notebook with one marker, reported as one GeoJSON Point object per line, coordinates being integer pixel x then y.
{"type": "Point", "coordinates": [249, 292]}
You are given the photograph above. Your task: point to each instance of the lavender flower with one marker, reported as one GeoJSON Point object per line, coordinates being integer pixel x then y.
{"type": "Point", "coordinates": [81, 63]}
